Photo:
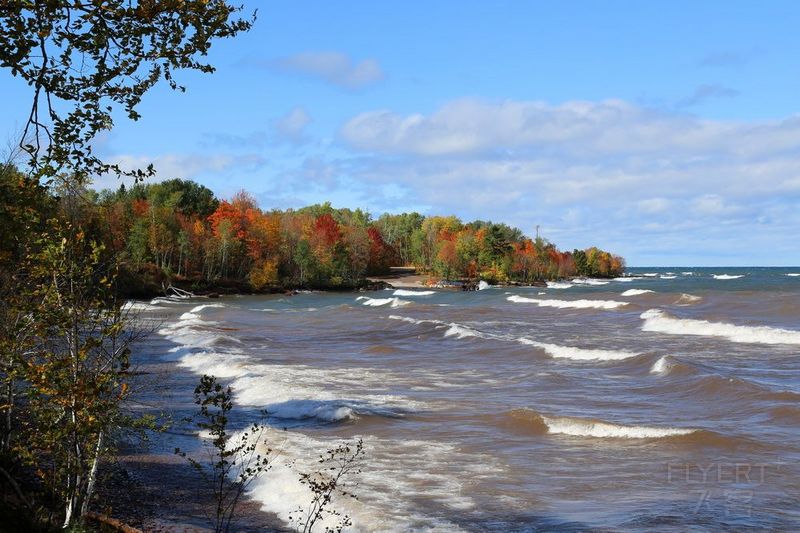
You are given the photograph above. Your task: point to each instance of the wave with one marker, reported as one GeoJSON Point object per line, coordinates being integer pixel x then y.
{"type": "Point", "coordinates": [687, 299]}
{"type": "Point", "coordinates": [404, 292]}
{"type": "Point", "coordinates": [558, 285]}
{"type": "Point", "coordinates": [171, 300]}
{"type": "Point", "coordinates": [636, 292]}
{"type": "Point", "coordinates": [133, 307]}
{"type": "Point", "coordinates": [538, 423]}
{"type": "Point", "coordinates": [461, 332]}
{"type": "Point", "coordinates": [195, 312]}
{"type": "Point", "coordinates": [668, 365]}
{"type": "Point", "coordinates": [793, 274]}
{"type": "Point", "coordinates": [687, 273]}
{"type": "Point", "coordinates": [667, 277]}
{"type": "Point", "coordinates": [650, 275]}
{"type": "Point", "coordinates": [726, 276]}
{"type": "Point", "coordinates": [322, 410]}
{"type": "Point", "coordinates": [589, 281]}
{"type": "Point", "coordinates": [482, 285]}
{"type": "Point", "coordinates": [656, 320]}
{"type": "Point", "coordinates": [377, 302]}
{"type": "Point", "coordinates": [579, 354]}
{"type": "Point", "coordinates": [569, 304]}
{"type": "Point", "coordinates": [625, 279]}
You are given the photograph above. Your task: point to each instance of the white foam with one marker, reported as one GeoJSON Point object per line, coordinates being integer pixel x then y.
{"type": "Point", "coordinates": [726, 276]}
{"type": "Point", "coordinates": [558, 285]}
{"type": "Point", "coordinates": [588, 428]}
{"type": "Point", "coordinates": [170, 300]}
{"type": "Point", "coordinates": [482, 285]}
{"type": "Point", "coordinates": [793, 274]}
{"type": "Point", "coordinates": [687, 299]}
{"type": "Point", "coordinates": [668, 277]}
{"type": "Point", "coordinates": [215, 364]}
{"type": "Point", "coordinates": [579, 354]}
{"type": "Point", "coordinates": [395, 475]}
{"type": "Point", "coordinates": [569, 304]}
{"type": "Point", "coordinates": [461, 332]}
{"type": "Point", "coordinates": [650, 275]}
{"type": "Point", "coordinates": [687, 273]}
{"type": "Point", "coordinates": [133, 306]}
{"type": "Point", "coordinates": [413, 320]}
{"type": "Point", "coordinates": [378, 302]}
{"type": "Point", "coordinates": [404, 292]}
{"type": "Point", "coordinates": [658, 321]}
{"type": "Point", "coordinates": [636, 292]}
{"type": "Point", "coordinates": [195, 312]}
{"type": "Point", "coordinates": [627, 279]}
{"type": "Point", "coordinates": [661, 366]}
{"type": "Point", "coordinates": [589, 281]}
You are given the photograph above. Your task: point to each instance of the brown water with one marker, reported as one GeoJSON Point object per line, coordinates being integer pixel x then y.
{"type": "Point", "coordinates": [516, 409]}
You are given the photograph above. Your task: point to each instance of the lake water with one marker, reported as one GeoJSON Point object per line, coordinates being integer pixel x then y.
{"type": "Point", "coordinates": [665, 400]}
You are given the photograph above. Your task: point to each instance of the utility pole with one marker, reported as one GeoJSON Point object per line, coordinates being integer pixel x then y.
{"type": "Point", "coordinates": [537, 232]}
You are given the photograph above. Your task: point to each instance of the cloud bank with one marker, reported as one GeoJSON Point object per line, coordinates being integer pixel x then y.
{"type": "Point", "coordinates": [643, 178]}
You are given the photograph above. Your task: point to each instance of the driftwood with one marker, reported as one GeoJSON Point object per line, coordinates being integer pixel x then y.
{"type": "Point", "coordinates": [180, 293]}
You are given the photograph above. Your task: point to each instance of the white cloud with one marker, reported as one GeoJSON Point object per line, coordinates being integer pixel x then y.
{"type": "Point", "coordinates": [334, 67]}
{"type": "Point", "coordinates": [608, 172]}
{"type": "Point", "coordinates": [292, 125]}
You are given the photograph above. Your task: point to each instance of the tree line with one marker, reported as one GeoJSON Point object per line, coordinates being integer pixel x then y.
{"type": "Point", "coordinates": [179, 231]}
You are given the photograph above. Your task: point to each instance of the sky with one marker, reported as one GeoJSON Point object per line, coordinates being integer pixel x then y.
{"type": "Point", "coordinates": [666, 131]}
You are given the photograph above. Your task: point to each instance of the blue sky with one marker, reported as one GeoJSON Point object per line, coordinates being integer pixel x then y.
{"type": "Point", "coordinates": [667, 132]}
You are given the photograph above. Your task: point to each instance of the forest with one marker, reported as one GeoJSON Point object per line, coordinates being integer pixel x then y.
{"type": "Point", "coordinates": [177, 231]}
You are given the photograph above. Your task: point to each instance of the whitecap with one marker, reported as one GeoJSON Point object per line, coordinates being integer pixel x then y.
{"type": "Point", "coordinates": [578, 427]}
{"type": "Point", "coordinates": [589, 281]}
{"type": "Point", "coordinates": [482, 285]}
{"type": "Point", "coordinates": [404, 292]}
{"type": "Point", "coordinates": [569, 304]}
{"type": "Point", "coordinates": [133, 306]}
{"type": "Point", "coordinates": [793, 274]}
{"type": "Point", "coordinates": [461, 332]}
{"type": "Point", "coordinates": [661, 366]}
{"type": "Point", "coordinates": [656, 320]}
{"type": "Point", "coordinates": [726, 276]}
{"type": "Point", "coordinates": [377, 302]}
{"type": "Point", "coordinates": [687, 299]}
{"type": "Point", "coordinates": [558, 285]}
{"type": "Point", "coordinates": [636, 292]}
{"type": "Point", "coordinates": [650, 275]}
{"type": "Point", "coordinates": [668, 277]}
{"type": "Point", "coordinates": [579, 354]}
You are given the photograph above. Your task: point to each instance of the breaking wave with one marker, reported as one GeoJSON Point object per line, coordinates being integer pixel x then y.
{"type": "Point", "coordinates": [579, 354]}
{"type": "Point", "coordinates": [636, 292]}
{"type": "Point", "coordinates": [558, 285]}
{"type": "Point", "coordinates": [538, 423]}
{"type": "Point", "coordinates": [378, 302]}
{"type": "Point", "coordinates": [687, 299]}
{"type": "Point", "coordinates": [569, 304]}
{"type": "Point", "coordinates": [727, 276]}
{"type": "Point", "coordinates": [404, 292]}
{"type": "Point", "coordinates": [589, 281]}
{"type": "Point", "coordinates": [656, 320]}
{"type": "Point", "coordinates": [793, 274]}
